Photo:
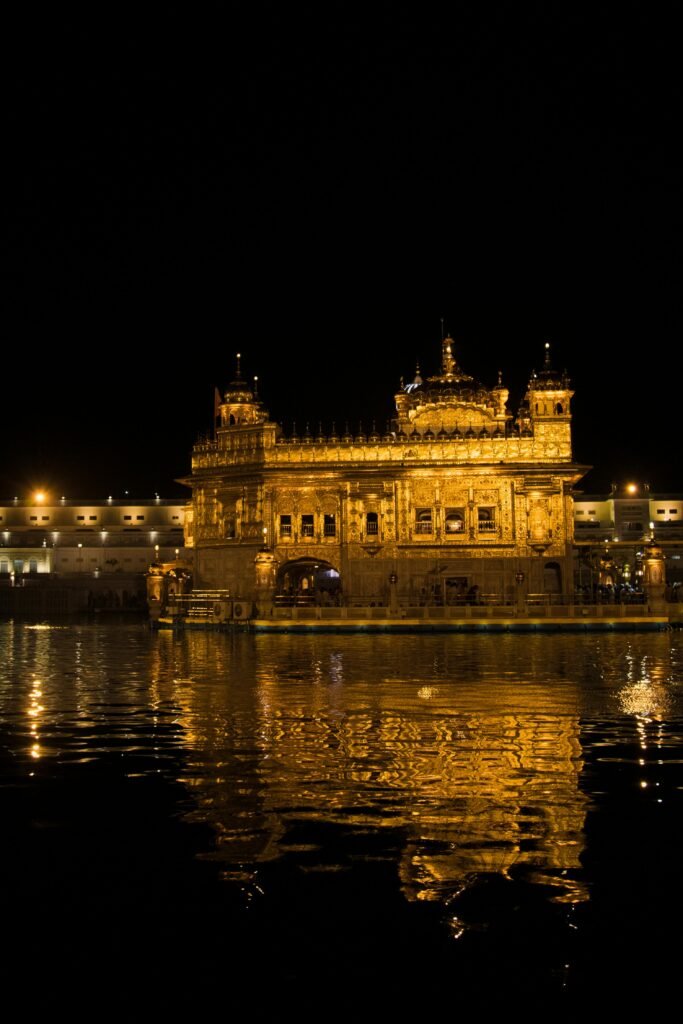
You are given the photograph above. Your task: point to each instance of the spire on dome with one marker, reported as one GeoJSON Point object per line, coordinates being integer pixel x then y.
{"type": "Point", "coordinates": [447, 359]}
{"type": "Point", "coordinates": [546, 361]}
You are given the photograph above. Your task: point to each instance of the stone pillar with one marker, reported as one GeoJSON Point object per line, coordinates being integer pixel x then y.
{"type": "Point", "coordinates": [156, 593]}
{"type": "Point", "coordinates": [265, 571]}
{"type": "Point", "coordinates": [654, 578]}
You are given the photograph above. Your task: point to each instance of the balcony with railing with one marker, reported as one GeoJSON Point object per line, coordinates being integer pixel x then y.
{"type": "Point", "coordinates": [486, 526]}
{"type": "Point", "coordinates": [307, 529]}
{"type": "Point", "coordinates": [424, 528]}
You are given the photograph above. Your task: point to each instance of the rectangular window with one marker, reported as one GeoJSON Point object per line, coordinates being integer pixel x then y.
{"type": "Point", "coordinates": [175, 517]}
{"type": "Point", "coordinates": [580, 512]}
{"type": "Point", "coordinates": [329, 526]}
{"type": "Point", "coordinates": [285, 526]}
{"type": "Point", "coordinates": [307, 526]}
{"type": "Point", "coordinates": [661, 511]}
{"type": "Point", "coordinates": [486, 522]}
{"type": "Point", "coordinates": [127, 517]}
{"type": "Point", "coordinates": [672, 511]}
{"type": "Point", "coordinates": [423, 520]}
{"type": "Point", "coordinates": [139, 517]}
{"type": "Point", "coordinates": [92, 517]}
{"type": "Point", "coordinates": [33, 518]}
{"type": "Point", "coordinates": [371, 524]}
{"type": "Point", "coordinates": [44, 518]}
{"type": "Point", "coordinates": [80, 518]}
{"type": "Point", "coordinates": [633, 527]}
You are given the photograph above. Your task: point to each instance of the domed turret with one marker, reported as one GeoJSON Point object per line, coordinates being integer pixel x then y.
{"type": "Point", "coordinates": [240, 405]}
{"type": "Point", "coordinates": [549, 393]}
{"type": "Point", "coordinates": [448, 400]}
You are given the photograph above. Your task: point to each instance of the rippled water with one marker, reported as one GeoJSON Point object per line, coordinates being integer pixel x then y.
{"type": "Point", "coordinates": [326, 822]}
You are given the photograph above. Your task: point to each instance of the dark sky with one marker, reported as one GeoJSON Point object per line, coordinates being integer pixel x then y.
{"type": "Point", "coordinates": [315, 186]}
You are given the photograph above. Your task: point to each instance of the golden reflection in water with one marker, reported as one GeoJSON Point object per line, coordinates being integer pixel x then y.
{"type": "Point", "coordinates": [479, 780]}
{"type": "Point", "coordinates": [34, 711]}
{"type": "Point", "coordinates": [646, 695]}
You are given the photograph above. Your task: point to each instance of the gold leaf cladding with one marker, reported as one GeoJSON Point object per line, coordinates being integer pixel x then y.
{"type": "Point", "coordinates": [424, 493]}
{"type": "Point", "coordinates": [453, 495]}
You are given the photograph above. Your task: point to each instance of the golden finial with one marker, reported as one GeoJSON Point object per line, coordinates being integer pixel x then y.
{"type": "Point", "coordinates": [547, 355]}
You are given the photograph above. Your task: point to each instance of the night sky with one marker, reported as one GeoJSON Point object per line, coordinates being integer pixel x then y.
{"type": "Point", "coordinates": [316, 186]}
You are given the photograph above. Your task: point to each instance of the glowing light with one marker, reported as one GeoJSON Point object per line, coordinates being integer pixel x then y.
{"type": "Point", "coordinates": [632, 488]}
{"type": "Point", "coordinates": [39, 497]}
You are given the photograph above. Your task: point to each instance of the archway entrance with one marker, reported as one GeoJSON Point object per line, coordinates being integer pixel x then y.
{"type": "Point", "coordinates": [308, 581]}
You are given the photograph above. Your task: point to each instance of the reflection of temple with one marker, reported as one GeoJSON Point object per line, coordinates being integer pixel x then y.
{"type": "Point", "coordinates": [480, 780]}
{"type": "Point", "coordinates": [453, 503]}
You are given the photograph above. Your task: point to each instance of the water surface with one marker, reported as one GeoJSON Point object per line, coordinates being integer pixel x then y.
{"type": "Point", "coordinates": [376, 822]}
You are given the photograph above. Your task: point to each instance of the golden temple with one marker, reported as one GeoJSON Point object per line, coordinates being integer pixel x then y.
{"type": "Point", "coordinates": [460, 501]}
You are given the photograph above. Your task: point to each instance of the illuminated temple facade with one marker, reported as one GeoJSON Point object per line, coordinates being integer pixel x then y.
{"type": "Point", "coordinates": [459, 501]}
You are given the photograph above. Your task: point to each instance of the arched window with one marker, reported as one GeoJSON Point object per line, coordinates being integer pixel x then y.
{"type": "Point", "coordinates": [423, 520]}
{"type": "Point", "coordinates": [371, 524]}
{"type": "Point", "coordinates": [455, 520]}
{"type": "Point", "coordinates": [486, 522]}
{"type": "Point", "coordinates": [558, 409]}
